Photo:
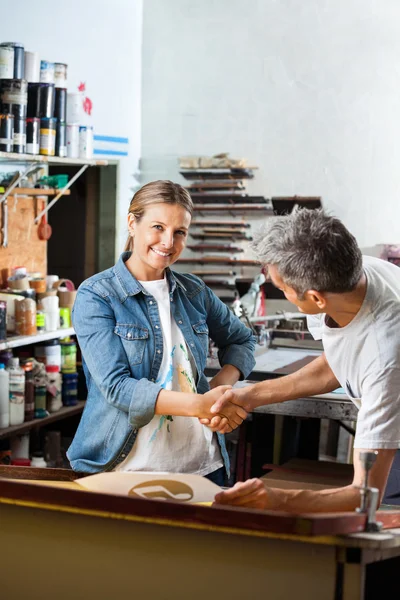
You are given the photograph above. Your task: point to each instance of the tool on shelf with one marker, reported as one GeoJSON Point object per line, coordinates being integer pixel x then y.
{"type": "Point", "coordinates": [44, 229]}
{"type": "Point", "coordinates": [369, 495]}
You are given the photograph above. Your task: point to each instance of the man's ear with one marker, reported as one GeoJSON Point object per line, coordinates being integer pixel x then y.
{"type": "Point", "coordinates": [317, 298]}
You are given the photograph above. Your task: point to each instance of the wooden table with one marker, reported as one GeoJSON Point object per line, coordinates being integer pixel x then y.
{"type": "Point", "coordinates": [58, 542]}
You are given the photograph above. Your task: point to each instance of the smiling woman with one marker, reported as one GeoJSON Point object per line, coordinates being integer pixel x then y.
{"type": "Point", "coordinates": [143, 331]}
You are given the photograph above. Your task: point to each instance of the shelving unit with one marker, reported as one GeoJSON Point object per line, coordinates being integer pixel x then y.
{"type": "Point", "coordinates": [51, 160]}
{"type": "Point", "coordinates": [26, 340]}
{"type": "Point", "coordinates": [63, 413]}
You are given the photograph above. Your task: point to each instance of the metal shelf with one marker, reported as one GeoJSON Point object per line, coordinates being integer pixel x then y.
{"type": "Point", "coordinates": [51, 160]}
{"type": "Point", "coordinates": [25, 340]}
{"type": "Point", "coordinates": [63, 413]}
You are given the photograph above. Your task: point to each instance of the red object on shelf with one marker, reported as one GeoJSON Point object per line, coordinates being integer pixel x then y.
{"type": "Point", "coordinates": [20, 462]}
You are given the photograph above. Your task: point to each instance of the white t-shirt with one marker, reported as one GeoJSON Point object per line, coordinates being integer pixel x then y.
{"type": "Point", "coordinates": [365, 356]}
{"type": "Point", "coordinates": [174, 444]}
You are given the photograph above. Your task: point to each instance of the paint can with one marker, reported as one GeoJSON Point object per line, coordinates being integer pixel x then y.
{"type": "Point", "coordinates": [6, 62]}
{"type": "Point", "coordinates": [48, 136]}
{"type": "Point", "coordinates": [60, 107]}
{"type": "Point", "coordinates": [3, 322]}
{"type": "Point", "coordinates": [61, 139]}
{"type": "Point", "coordinates": [33, 110]}
{"type": "Point", "coordinates": [14, 97]}
{"type": "Point", "coordinates": [72, 140]}
{"type": "Point", "coordinates": [32, 67]}
{"type": "Point", "coordinates": [46, 102]}
{"type": "Point", "coordinates": [85, 141]}
{"type": "Point", "coordinates": [60, 75]}
{"type": "Point", "coordinates": [19, 145]}
{"type": "Point", "coordinates": [74, 107]}
{"type": "Point", "coordinates": [6, 133]}
{"type": "Point", "coordinates": [32, 136]}
{"type": "Point", "coordinates": [19, 59]}
{"type": "Point", "coordinates": [46, 71]}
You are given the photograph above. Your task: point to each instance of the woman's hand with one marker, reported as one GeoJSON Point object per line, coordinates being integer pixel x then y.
{"type": "Point", "coordinates": [230, 417]}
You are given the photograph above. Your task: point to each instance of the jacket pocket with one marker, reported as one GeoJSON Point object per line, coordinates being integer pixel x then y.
{"type": "Point", "coordinates": [201, 330]}
{"type": "Point", "coordinates": [134, 339]}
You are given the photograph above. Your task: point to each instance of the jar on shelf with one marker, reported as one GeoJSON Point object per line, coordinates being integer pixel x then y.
{"type": "Point", "coordinates": [25, 317]}
{"type": "Point", "coordinates": [68, 357]}
{"type": "Point", "coordinates": [27, 365]}
{"type": "Point", "coordinates": [70, 389]}
{"type": "Point", "coordinates": [54, 398]}
{"type": "Point", "coordinates": [17, 392]}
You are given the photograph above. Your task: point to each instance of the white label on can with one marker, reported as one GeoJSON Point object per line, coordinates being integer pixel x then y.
{"type": "Point", "coordinates": [6, 141]}
{"type": "Point", "coordinates": [73, 141]}
{"type": "Point", "coordinates": [32, 148]}
{"type": "Point", "coordinates": [46, 72]}
{"type": "Point", "coordinates": [19, 139]}
{"type": "Point", "coordinates": [85, 142]}
{"type": "Point", "coordinates": [6, 63]}
{"type": "Point", "coordinates": [15, 97]}
{"type": "Point", "coordinates": [47, 142]}
{"type": "Point", "coordinates": [62, 151]}
{"type": "Point", "coordinates": [17, 388]}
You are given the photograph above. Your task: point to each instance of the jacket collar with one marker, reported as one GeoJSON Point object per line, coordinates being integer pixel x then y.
{"type": "Point", "coordinates": [129, 284]}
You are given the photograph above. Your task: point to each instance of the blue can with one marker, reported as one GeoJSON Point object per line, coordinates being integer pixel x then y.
{"type": "Point", "coordinates": [70, 389]}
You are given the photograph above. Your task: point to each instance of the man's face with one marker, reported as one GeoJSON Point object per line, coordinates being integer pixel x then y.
{"type": "Point", "coordinates": [307, 305]}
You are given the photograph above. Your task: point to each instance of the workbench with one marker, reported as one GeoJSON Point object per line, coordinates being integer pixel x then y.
{"type": "Point", "coordinates": [61, 542]}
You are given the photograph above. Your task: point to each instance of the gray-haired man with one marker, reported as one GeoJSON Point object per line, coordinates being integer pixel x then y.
{"type": "Point", "coordinates": [354, 307]}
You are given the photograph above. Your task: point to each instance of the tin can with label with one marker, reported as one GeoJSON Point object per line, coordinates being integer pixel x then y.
{"type": "Point", "coordinates": [65, 320]}
{"type": "Point", "coordinates": [60, 75]}
{"type": "Point", "coordinates": [48, 136]}
{"type": "Point", "coordinates": [6, 62]}
{"type": "Point", "coordinates": [61, 139]}
{"type": "Point", "coordinates": [72, 140]}
{"type": "Point", "coordinates": [46, 71]}
{"type": "Point", "coordinates": [68, 357]}
{"type": "Point", "coordinates": [40, 321]}
{"type": "Point", "coordinates": [85, 141]}
{"type": "Point", "coordinates": [19, 145]}
{"type": "Point", "coordinates": [6, 133]}
{"type": "Point", "coordinates": [32, 136]}
{"type": "Point", "coordinates": [19, 59]}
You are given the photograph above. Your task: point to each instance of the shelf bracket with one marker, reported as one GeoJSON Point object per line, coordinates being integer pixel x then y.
{"type": "Point", "coordinates": [20, 177]}
{"type": "Point", "coordinates": [61, 193]}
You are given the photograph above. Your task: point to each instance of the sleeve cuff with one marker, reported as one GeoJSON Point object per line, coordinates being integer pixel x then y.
{"type": "Point", "coordinates": [142, 406]}
{"type": "Point", "coordinates": [239, 357]}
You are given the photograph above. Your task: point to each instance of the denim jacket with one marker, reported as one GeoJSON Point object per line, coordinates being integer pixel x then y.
{"type": "Point", "coordinates": [119, 332]}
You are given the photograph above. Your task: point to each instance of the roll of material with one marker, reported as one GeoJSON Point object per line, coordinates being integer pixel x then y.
{"type": "Point", "coordinates": [61, 139]}
{"type": "Point", "coordinates": [19, 145]}
{"type": "Point", "coordinates": [48, 136]}
{"type": "Point", "coordinates": [46, 71]}
{"type": "Point", "coordinates": [41, 99]}
{"type": "Point", "coordinates": [14, 97]}
{"type": "Point", "coordinates": [19, 58]}
{"type": "Point", "coordinates": [6, 62]}
{"type": "Point", "coordinates": [6, 133]}
{"type": "Point", "coordinates": [32, 67]}
{"type": "Point", "coordinates": [32, 136]}
{"type": "Point", "coordinates": [60, 75]}
{"type": "Point", "coordinates": [74, 108]}
{"type": "Point", "coordinates": [60, 107]}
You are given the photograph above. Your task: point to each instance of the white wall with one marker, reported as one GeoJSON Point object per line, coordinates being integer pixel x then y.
{"type": "Point", "coordinates": [309, 90]}
{"type": "Point", "coordinates": [100, 40]}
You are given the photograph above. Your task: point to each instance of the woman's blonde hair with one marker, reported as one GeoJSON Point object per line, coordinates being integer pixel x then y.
{"type": "Point", "coordinates": [157, 192]}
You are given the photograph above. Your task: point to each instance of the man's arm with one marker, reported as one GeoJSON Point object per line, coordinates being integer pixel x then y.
{"type": "Point", "coordinates": [315, 378]}
{"type": "Point", "coordinates": [255, 494]}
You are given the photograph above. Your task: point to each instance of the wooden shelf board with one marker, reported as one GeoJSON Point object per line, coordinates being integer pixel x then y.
{"type": "Point", "coordinates": [63, 413]}
{"type": "Point", "coordinates": [35, 192]}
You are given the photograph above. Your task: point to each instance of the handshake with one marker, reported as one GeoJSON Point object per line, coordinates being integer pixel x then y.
{"type": "Point", "coordinates": [223, 409]}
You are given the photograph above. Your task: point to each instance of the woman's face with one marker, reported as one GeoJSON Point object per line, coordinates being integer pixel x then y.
{"type": "Point", "coordinates": [158, 240]}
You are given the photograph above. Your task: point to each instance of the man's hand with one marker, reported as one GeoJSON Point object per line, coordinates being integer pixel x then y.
{"type": "Point", "coordinates": [239, 397]}
{"type": "Point", "coordinates": [250, 494]}
{"type": "Point", "coordinates": [231, 415]}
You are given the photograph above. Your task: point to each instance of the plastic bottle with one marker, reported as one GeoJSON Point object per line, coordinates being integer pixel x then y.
{"type": "Point", "coordinates": [4, 397]}
{"type": "Point", "coordinates": [17, 392]}
{"type": "Point", "coordinates": [54, 398]}
{"type": "Point", "coordinates": [37, 460]}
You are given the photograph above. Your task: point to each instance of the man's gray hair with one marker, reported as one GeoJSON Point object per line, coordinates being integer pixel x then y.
{"type": "Point", "coordinates": [311, 251]}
